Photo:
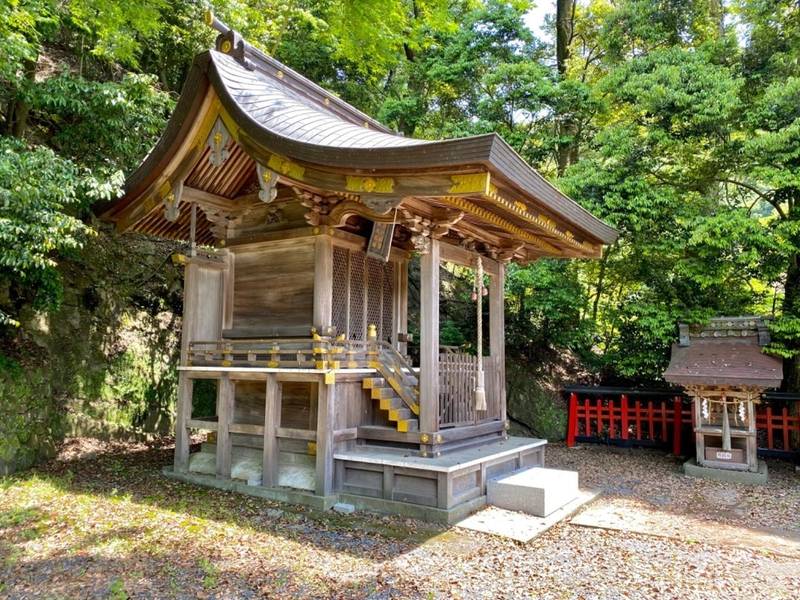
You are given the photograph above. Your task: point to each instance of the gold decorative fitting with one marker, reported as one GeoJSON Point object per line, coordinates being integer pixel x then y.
{"type": "Point", "coordinates": [471, 183]}
{"type": "Point", "coordinates": [208, 17]}
{"type": "Point", "coordinates": [279, 74]}
{"type": "Point", "coordinates": [226, 46]}
{"type": "Point", "coordinates": [366, 124]}
{"type": "Point", "coordinates": [507, 424]}
{"type": "Point", "coordinates": [521, 206]}
{"type": "Point", "coordinates": [286, 167]}
{"type": "Point", "coordinates": [439, 438]}
{"type": "Point", "coordinates": [326, 101]}
{"type": "Point", "coordinates": [381, 185]}
{"type": "Point", "coordinates": [424, 438]}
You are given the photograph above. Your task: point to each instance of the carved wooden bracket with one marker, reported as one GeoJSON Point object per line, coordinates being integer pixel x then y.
{"type": "Point", "coordinates": [319, 207]}
{"type": "Point", "coordinates": [172, 202]}
{"type": "Point", "coordinates": [267, 182]}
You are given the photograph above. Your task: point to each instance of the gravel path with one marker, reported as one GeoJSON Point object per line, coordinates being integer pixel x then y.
{"type": "Point", "coordinates": [106, 524]}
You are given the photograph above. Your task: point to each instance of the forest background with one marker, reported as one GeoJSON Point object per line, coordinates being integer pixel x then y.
{"type": "Point", "coordinates": [676, 121]}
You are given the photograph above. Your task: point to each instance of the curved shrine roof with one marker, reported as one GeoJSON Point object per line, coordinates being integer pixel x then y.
{"type": "Point", "coordinates": [285, 113]}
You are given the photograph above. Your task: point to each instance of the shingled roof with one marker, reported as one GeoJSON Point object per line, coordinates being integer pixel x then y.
{"type": "Point", "coordinates": [278, 111]}
{"type": "Point", "coordinates": [726, 351]}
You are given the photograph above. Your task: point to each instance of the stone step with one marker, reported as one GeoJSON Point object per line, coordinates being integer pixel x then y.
{"type": "Point", "coordinates": [536, 491]}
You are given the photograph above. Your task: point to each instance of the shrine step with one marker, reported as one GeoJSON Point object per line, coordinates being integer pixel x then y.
{"type": "Point", "coordinates": [537, 491]}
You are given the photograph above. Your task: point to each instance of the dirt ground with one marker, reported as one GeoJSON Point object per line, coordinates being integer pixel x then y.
{"type": "Point", "coordinates": [100, 521]}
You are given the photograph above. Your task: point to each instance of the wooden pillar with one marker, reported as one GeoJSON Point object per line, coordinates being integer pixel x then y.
{"type": "Point", "coordinates": [401, 306]}
{"type": "Point", "coordinates": [572, 419]}
{"type": "Point", "coordinates": [224, 418]}
{"type": "Point", "coordinates": [429, 340]}
{"type": "Point", "coordinates": [497, 331]}
{"type": "Point", "coordinates": [183, 414]}
{"type": "Point", "coordinates": [323, 282]}
{"type": "Point", "coordinates": [326, 413]}
{"type": "Point", "coordinates": [228, 290]}
{"type": "Point", "coordinates": [272, 416]}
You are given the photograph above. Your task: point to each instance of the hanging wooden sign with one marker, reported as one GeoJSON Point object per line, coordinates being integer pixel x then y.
{"type": "Point", "coordinates": [380, 241]}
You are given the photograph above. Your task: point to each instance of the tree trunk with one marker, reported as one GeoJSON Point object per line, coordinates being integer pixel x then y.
{"type": "Point", "coordinates": [791, 306]}
{"type": "Point", "coordinates": [565, 13]}
{"type": "Point", "coordinates": [19, 109]}
{"type": "Point", "coordinates": [566, 150]}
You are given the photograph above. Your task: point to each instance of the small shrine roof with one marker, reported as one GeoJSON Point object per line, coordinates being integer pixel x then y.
{"type": "Point", "coordinates": [726, 351]}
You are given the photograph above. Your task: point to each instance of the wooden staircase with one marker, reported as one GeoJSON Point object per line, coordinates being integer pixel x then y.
{"type": "Point", "coordinates": [389, 400]}
{"type": "Point", "coordinates": [397, 388]}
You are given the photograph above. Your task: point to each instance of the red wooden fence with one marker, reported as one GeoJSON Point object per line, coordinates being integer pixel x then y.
{"type": "Point", "coordinates": [651, 418]}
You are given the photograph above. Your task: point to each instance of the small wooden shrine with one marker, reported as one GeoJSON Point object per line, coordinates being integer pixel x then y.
{"type": "Point", "coordinates": [302, 214]}
{"type": "Point", "coordinates": [722, 366]}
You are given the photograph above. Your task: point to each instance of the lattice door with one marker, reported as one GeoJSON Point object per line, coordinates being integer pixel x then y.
{"type": "Point", "coordinates": [341, 278]}
{"type": "Point", "coordinates": [375, 295]}
{"type": "Point", "coordinates": [356, 320]}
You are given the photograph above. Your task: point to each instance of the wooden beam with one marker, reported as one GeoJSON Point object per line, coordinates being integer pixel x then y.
{"type": "Point", "coordinates": [291, 433]}
{"type": "Point", "coordinates": [323, 282]}
{"type": "Point", "coordinates": [225, 395]}
{"type": "Point", "coordinates": [461, 256]}
{"type": "Point", "coordinates": [326, 416]}
{"type": "Point", "coordinates": [182, 418]}
{"type": "Point", "coordinates": [344, 435]}
{"type": "Point", "coordinates": [429, 339]}
{"type": "Point", "coordinates": [387, 434]}
{"type": "Point", "coordinates": [497, 331]}
{"type": "Point", "coordinates": [272, 417]}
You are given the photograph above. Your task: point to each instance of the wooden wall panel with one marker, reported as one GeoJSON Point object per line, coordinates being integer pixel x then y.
{"type": "Point", "coordinates": [250, 402]}
{"type": "Point", "coordinates": [298, 400]}
{"type": "Point", "coordinates": [274, 289]}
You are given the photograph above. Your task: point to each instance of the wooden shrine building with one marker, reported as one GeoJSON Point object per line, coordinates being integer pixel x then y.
{"type": "Point", "coordinates": [722, 366]}
{"type": "Point", "coordinates": [302, 215]}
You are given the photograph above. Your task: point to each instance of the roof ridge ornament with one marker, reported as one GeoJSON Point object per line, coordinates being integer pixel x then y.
{"type": "Point", "coordinates": [229, 41]}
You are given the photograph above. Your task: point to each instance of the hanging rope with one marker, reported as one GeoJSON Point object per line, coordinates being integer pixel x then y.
{"type": "Point", "coordinates": [480, 392]}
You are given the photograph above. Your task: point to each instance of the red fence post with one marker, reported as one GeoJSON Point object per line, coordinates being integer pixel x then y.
{"type": "Point", "coordinates": [785, 423]}
{"type": "Point", "coordinates": [612, 430]}
{"type": "Point", "coordinates": [587, 423]}
{"type": "Point", "coordinates": [677, 424]}
{"type": "Point", "coordinates": [572, 419]}
{"type": "Point", "coordinates": [770, 440]}
{"type": "Point", "coordinates": [623, 406]}
{"type": "Point", "coordinates": [599, 417]}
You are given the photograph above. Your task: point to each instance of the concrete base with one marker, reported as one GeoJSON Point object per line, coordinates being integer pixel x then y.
{"type": "Point", "coordinates": [691, 468]}
{"type": "Point", "coordinates": [287, 495]}
{"type": "Point", "coordinates": [290, 496]}
{"type": "Point", "coordinates": [537, 491]}
{"type": "Point", "coordinates": [294, 470]}
{"type": "Point", "coordinates": [522, 527]}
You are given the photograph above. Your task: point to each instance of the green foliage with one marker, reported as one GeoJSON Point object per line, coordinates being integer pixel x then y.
{"type": "Point", "coordinates": [532, 405]}
{"type": "Point", "coordinates": [37, 187]}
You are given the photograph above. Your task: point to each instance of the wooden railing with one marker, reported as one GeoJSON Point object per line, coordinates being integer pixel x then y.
{"type": "Point", "coordinates": [458, 373]}
{"type": "Point", "coordinates": [285, 353]}
{"type": "Point", "coordinates": [397, 372]}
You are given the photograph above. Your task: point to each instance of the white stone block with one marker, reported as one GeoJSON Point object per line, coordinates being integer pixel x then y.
{"type": "Point", "coordinates": [537, 491]}
{"type": "Point", "coordinates": [345, 509]}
